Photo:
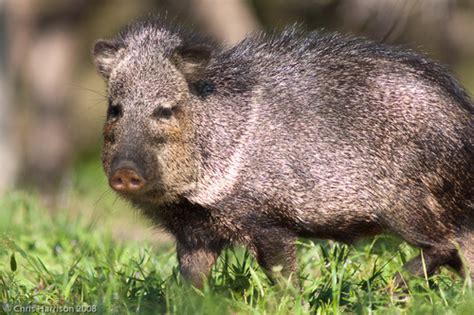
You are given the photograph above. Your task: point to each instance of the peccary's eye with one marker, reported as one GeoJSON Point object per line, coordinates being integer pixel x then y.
{"type": "Point", "coordinates": [163, 112]}
{"type": "Point", "coordinates": [114, 111]}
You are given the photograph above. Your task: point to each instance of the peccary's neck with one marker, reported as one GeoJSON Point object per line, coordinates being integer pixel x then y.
{"type": "Point", "coordinates": [223, 125]}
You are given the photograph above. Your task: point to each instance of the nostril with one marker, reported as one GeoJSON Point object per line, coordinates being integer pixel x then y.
{"type": "Point", "coordinates": [117, 180]}
{"type": "Point", "coordinates": [135, 181]}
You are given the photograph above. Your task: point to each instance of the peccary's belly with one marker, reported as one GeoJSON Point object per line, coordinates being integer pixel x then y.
{"type": "Point", "coordinates": [346, 231]}
{"type": "Point", "coordinates": [338, 215]}
{"type": "Point", "coordinates": [337, 210]}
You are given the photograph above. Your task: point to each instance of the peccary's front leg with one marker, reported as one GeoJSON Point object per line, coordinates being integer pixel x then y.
{"type": "Point", "coordinates": [196, 261]}
{"type": "Point", "coordinates": [276, 253]}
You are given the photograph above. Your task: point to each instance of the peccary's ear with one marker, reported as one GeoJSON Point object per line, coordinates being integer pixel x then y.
{"type": "Point", "coordinates": [106, 53]}
{"type": "Point", "coordinates": [191, 61]}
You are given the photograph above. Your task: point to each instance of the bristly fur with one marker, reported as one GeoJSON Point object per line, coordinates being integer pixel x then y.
{"type": "Point", "coordinates": [171, 28]}
{"type": "Point", "coordinates": [289, 135]}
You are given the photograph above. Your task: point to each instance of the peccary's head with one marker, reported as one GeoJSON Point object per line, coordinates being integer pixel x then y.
{"type": "Point", "coordinates": [148, 152]}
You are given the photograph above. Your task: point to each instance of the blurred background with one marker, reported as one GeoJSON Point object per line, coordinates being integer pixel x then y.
{"type": "Point", "coordinates": [53, 104]}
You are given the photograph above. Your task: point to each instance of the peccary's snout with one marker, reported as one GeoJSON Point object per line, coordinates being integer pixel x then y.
{"type": "Point", "coordinates": [126, 178]}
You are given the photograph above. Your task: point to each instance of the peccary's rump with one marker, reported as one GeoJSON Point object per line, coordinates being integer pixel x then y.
{"type": "Point", "coordinates": [285, 136]}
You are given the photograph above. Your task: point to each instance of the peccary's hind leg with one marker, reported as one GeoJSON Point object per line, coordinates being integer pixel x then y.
{"type": "Point", "coordinates": [429, 261]}
{"type": "Point", "coordinates": [275, 251]}
{"type": "Point", "coordinates": [467, 247]}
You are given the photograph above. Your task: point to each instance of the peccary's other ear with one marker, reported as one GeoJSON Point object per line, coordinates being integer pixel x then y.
{"type": "Point", "coordinates": [106, 53]}
{"type": "Point", "coordinates": [191, 61]}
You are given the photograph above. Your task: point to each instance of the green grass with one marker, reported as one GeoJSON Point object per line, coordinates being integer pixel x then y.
{"type": "Point", "coordinates": [72, 257]}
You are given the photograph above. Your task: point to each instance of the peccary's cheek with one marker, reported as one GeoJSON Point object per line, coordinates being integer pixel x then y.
{"type": "Point", "coordinates": [174, 133]}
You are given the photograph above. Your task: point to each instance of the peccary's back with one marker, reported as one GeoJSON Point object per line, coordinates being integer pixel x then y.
{"type": "Point", "coordinates": [350, 131]}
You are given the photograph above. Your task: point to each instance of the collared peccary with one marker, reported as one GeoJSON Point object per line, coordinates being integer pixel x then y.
{"type": "Point", "coordinates": [284, 136]}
